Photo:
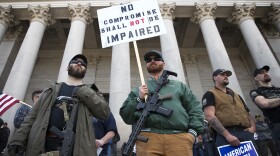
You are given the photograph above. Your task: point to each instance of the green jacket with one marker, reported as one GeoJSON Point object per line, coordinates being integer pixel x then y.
{"type": "Point", "coordinates": [187, 113]}
{"type": "Point", "coordinates": [32, 132]}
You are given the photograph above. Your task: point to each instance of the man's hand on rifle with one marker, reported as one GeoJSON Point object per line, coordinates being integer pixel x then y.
{"type": "Point", "coordinates": [143, 90]}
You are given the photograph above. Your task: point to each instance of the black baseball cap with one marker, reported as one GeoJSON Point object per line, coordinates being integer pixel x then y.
{"type": "Point", "coordinates": [81, 56]}
{"type": "Point", "coordinates": [259, 70]}
{"type": "Point", "coordinates": [220, 71]}
{"type": "Point", "coordinates": [153, 53]}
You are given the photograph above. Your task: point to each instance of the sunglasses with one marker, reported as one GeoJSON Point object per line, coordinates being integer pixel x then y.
{"type": "Point", "coordinates": [148, 60]}
{"type": "Point", "coordinates": [83, 63]}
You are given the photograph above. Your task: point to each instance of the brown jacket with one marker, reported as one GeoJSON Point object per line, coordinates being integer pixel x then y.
{"type": "Point", "coordinates": [33, 129]}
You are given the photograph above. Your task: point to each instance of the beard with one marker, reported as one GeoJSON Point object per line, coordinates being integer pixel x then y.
{"type": "Point", "coordinates": [226, 83]}
{"type": "Point", "coordinates": [75, 72]}
{"type": "Point", "coordinates": [267, 78]}
{"type": "Point", "coordinates": [153, 68]}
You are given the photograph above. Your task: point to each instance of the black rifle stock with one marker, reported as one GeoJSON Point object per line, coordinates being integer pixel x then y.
{"type": "Point", "coordinates": [69, 133]}
{"type": "Point", "coordinates": [152, 105]}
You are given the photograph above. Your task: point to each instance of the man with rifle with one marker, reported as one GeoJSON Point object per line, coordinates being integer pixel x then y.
{"type": "Point", "coordinates": [51, 129]}
{"type": "Point", "coordinates": [172, 115]}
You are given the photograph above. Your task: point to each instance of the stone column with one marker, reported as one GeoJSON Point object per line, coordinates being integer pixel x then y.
{"type": "Point", "coordinates": [194, 80]}
{"type": "Point", "coordinates": [9, 48]}
{"type": "Point", "coordinates": [261, 53]}
{"type": "Point", "coordinates": [6, 20]}
{"type": "Point", "coordinates": [20, 74]}
{"type": "Point", "coordinates": [96, 61]}
{"type": "Point", "coordinates": [204, 16]}
{"type": "Point", "coordinates": [120, 86]}
{"type": "Point", "coordinates": [169, 45]}
{"type": "Point", "coordinates": [80, 18]}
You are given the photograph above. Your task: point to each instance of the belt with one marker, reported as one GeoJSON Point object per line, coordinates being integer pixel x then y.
{"type": "Point", "coordinates": [236, 128]}
{"type": "Point", "coordinates": [162, 131]}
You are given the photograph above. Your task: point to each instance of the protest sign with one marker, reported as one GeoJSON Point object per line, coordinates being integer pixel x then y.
{"type": "Point", "coordinates": [129, 22]}
{"type": "Point", "coordinates": [245, 148]}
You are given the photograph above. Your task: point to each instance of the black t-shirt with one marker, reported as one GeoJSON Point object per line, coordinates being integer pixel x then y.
{"type": "Point", "coordinates": [57, 114]}
{"type": "Point", "coordinates": [268, 93]}
{"type": "Point", "coordinates": [208, 99]}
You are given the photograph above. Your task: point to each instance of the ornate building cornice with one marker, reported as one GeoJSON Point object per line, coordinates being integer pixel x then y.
{"type": "Point", "coordinates": [268, 29]}
{"type": "Point", "coordinates": [94, 60]}
{"type": "Point", "coordinates": [189, 59]}
{"type": "Point", "coordinates": [167, 10]}
{"type": "Point", "coordinates": [272, 17]}
{"type": "Point", "coordinates": [204, 11]}
{"type": "Point", "coordinates": [80, 12]}
{"type": "Point", "coordinates": [41, 14]}
{"type": "Point", "coordinates": [6, 18]}
{"type": "Point", "coordinates": [13, 32]}
{"type": "Point", "coordinates": [241, 13]}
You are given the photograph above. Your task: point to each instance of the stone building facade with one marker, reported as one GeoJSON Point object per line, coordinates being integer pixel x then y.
{"type": "Point", "coordinates": [38, 38]}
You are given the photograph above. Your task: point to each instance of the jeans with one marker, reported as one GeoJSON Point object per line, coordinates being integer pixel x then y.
{"type": "Point", "coordinates": [276, 136]}
{"type": "Point", "coordinates": [210, 149]}
{"type": "Point", "coordinates": [198, 150]}
{"type": "Point", "coordinates": [263, 145]}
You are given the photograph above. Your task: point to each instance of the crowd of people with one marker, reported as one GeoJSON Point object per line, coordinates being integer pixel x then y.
{"type": "Point", "coordinates": [192, 128]}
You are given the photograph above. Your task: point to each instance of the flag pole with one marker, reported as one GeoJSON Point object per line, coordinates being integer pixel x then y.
{"type": "Point", "coordinates": [25, 104]}
{"type": "Point", "coordinates": [139, 65]}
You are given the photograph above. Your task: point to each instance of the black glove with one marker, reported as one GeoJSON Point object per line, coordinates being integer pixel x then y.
{"type": "Point", "coordinates": [15, 150]}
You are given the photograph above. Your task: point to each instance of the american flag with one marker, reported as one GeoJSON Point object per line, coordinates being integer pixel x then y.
{"type": "Point", "coordinates": [6, 101]}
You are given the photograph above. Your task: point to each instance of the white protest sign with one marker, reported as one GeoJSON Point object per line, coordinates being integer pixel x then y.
{"type": "Point", "coordinates": [129, 22]}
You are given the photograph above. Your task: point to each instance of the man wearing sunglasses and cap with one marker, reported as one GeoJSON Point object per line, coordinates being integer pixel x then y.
{"type": "Point", "coordinates": [168, 135]}
{"type": "Point", "coordinates": [227, 113]}
{"type": "Point", "coordinates": [267, 98]}
{"type": "Point", "coordinates": [35, 135]}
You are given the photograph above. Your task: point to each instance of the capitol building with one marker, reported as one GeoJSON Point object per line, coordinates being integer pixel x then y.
{"type": "Point", "coordinates": [39, 37]}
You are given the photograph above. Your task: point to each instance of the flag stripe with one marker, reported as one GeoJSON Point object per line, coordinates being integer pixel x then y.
{"type": "Point", "coordinates": [2, 97]}
{"type": "Point", "coordinates": [7, 107]}
{"type": "Point", "coordinates": [6, 102]}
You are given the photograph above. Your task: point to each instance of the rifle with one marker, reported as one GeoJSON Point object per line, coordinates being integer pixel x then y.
{"type": "Point", "coordinates": [68, 135]}
{"type": "Point", "coordinates": [152, 105]}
